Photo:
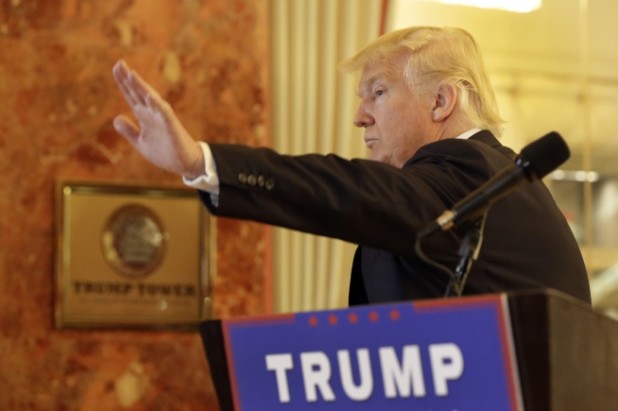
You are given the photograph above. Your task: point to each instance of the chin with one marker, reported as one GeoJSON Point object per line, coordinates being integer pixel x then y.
{"type": "Point", "coordinates": [374, 156]}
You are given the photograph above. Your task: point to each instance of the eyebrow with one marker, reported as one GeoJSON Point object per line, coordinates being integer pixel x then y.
{"type": "Point", "coordinates": [368, 83]}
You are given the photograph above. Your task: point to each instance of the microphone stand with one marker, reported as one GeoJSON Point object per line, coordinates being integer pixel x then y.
{"type": "Point", "coordinates": [469, 252]}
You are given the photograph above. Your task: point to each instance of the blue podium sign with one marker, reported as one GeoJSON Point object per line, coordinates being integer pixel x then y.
{"type": "Point", "coordinates": [435, 355]}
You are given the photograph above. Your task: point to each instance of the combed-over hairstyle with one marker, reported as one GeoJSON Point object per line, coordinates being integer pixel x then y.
{"type": "Point", "coordinates": [439, 56]}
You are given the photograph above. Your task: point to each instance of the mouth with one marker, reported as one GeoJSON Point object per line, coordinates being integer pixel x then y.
{"type": "Point", "coordinates": [369, 141]}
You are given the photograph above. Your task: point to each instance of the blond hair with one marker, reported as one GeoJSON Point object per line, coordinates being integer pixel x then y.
{"type": "Point", "coordinates": [438, 56]}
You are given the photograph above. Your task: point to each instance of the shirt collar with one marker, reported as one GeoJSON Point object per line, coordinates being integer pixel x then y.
{"type": "Point", "coordinates": [467, 134]}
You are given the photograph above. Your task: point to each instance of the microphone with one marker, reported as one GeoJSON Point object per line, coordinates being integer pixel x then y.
{"type": "Point", "coordinates": [534, 161]}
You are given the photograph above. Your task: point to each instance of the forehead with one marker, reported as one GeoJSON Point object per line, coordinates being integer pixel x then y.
{"type": "Point", "coordinates": [390, 69]}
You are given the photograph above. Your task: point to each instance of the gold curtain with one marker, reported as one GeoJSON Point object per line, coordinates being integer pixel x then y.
{"type": "Point", "coordinates": [313, 107]}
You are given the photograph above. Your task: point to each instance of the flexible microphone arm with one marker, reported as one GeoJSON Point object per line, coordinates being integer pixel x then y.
{"type": "Point", "coordinates": [468, 253]}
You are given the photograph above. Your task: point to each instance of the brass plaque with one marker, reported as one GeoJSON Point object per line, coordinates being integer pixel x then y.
{"type": "Point", "coordinates": [130, 256]}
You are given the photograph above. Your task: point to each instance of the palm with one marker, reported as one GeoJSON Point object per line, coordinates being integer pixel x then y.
{"type": "Point", "coordinates": [159, 135]}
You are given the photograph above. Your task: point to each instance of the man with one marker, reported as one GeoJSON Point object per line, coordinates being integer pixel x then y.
{"type": "Point", "coordinates": [430, 118]}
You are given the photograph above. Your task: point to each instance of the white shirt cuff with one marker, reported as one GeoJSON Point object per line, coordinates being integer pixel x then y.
{"type": "Point", "coordinates": [209, 181]}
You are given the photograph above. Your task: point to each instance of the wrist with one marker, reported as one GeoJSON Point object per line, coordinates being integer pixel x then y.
{"type": "Point", "coordinates": [197, 167]}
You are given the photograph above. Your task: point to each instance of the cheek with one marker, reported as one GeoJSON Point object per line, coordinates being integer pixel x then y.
{"type": "Point", "coordinates": [402, 128]}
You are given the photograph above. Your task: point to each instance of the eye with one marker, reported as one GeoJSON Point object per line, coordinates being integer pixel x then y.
{"type": "Point", "coordinates": [378, 92]}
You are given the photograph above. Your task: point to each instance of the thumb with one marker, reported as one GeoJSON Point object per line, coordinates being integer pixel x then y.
{"type": "Point", "coordinates": [126, 128]}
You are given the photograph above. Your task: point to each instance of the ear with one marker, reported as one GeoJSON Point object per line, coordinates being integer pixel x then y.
{"type": "Point", "coordinates": [445, 102]}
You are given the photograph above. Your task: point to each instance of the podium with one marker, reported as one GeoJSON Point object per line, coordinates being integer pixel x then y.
{"type": "Point", "coordinates": [533, 351]}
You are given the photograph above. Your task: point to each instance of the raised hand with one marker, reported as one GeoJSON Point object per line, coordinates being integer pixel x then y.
{"type": "Point", "coordinates": [159, 136]}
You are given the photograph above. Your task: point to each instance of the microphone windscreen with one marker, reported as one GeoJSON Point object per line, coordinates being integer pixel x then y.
{"type": "Point", "coordinates": [545, 154]}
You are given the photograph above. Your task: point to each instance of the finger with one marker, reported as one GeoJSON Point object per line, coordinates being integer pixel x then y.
{"type": "Point", "coordinates": [136, 93]}
{"type": "Point", "coordinates": [149, 96]}
{"type": "Point", "coordinates": [158, 105]}
{"type": "Point", "coordinates": [141, 88]}
{"type": "Point", "coordinates": [126, 128]}
{"type": "Point", "coordinates": [121, 75]}
{"type": "Point", "coordinates": [133, 91]}
{"type": "Point", "coordinates": [128, 96]}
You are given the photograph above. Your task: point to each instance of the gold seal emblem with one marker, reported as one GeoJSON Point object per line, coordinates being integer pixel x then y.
{"type": "Point", "coordinates": [134, 240]}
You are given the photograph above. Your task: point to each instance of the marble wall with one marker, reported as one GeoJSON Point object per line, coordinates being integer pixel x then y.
{"type": "Point", "coordinates": [57, 100]}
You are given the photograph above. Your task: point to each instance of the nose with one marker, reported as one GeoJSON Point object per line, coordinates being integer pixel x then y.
{"type": "Point", "coordinates": [362, 118]}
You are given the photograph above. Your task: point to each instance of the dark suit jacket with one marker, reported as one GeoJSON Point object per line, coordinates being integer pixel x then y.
{"type": "Point", "coordinates": [527, 242]}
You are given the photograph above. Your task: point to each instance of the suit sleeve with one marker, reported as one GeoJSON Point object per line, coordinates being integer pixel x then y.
{"type": "Point", "coordinates": [359, 201]}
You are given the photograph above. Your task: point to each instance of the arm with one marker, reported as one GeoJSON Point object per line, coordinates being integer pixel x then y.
{"type": "Point", "coordinates": [360, 201]}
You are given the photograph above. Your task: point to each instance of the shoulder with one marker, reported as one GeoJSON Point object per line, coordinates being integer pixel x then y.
{"type": "Point", "coordinates": [482, 149]}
